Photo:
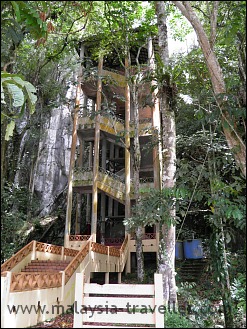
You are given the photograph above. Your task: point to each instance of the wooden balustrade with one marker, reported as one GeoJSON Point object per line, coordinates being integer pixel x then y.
{"type": "Point", "coordinates": [17, 258]}
{"type": "Point", "coordinates": [99, 248]}
{"type": "Point", "coordinates": [114, 241]}
{"type": "Point", "coordinates": [51, 248]}
{"type": "Point", "coordinates": [70, 269]}
{"type": "Point", "coordinates": [114, 252]}
{"type": "Point", "coordinates": [70, 252]}
{"type": "Point", "coordinates": [124, 244]}
{"type": "Point", "coordinates": [148, 236]}
{"type": "Point", "coordinates": [145, 236]}
{"type": "Point", "coordinates": [79, 237]}
{"type": "Point", "coordinates": [32, 281]}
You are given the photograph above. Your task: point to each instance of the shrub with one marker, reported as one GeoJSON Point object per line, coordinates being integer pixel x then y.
{"type": "Point", "coordinates": [176, 320]}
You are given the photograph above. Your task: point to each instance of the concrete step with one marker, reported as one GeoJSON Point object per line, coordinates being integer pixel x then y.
{"type": "Point", "coordinates": [45, 266]}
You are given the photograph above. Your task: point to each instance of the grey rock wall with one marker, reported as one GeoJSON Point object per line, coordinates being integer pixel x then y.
{"type": "Point", "coordinates": [50, 177]}
{"type": "Point", "coordinates": [47, 174]}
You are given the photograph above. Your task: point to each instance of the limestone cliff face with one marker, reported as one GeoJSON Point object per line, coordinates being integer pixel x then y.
{"type": "Point", "coordinates": [49, 171]}
{"type": "Point", "coordinates": [50, 177]}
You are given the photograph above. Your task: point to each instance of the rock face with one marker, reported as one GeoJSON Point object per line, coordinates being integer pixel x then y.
{"type": "Point", "coordinates": [50, 178]}
{"type": "Point", "coordinates": [48, 173]}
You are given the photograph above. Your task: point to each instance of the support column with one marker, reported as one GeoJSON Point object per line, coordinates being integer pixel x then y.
{"type": "Point", "coordinates": [102, 215]}
{"type": "Point", "coordinates": [102, 208]}
{"type": "Point", "coordinates": [119, 277]}
{"type": "Point", "coordinates": [128, 264]}
{"type": "Point", "coordinates": [110, 202]}
{"type": "Point", "coordinates": [78, 216]}
{"type": "Point", "coordinates": [107, 277]}
{"type": "Point", "coordinates": [117, 151]}
{"type": "Point", "coordinates": [96, 152]}
{"type": "Point", "coordinates": [89, 196]}
{"type": "Point", "coordinates": [127, 142]}
{"type": "Point", "coordinates": [88, 209]}
{"type": "Point", "coordinates": [81, 153]}
{"type": "Point", "coordinates": [73, 150]}
{"type": "Point", "coordinates": [85, 110]}
{"type": "Point", "coordinates": [115, 208]}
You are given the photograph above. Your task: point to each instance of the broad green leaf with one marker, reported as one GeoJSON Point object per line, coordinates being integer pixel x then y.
{"type": "Point", "coordinates": [9, 76]}
{"type": "Point", "coordinates": [16, 94]}
{"type": "Point", "coordinates": [32, 98]}
{"type": "Point", "coordinates": [10, 130]}
{"type": "Point", "coordinates": [16, 9]}
{"type": "Point", "coordinates": [19, 81]}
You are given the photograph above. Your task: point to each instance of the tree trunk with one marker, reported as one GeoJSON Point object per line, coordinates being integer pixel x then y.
{"type": "Point", "coordinates": [139, 254]}
{"type": "Point", "coordinates": [136, 173]}
{"type": "Point", "coordinates": [233, 138]}
{"type": "Point", "coordinates": [167, 235]}
{"type": "Point", "coordinates": [218, 251]}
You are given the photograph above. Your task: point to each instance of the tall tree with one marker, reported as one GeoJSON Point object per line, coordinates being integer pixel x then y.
{"type": "Point", "coordinates": [166, 264]}
{"type": "Point", "coordinates": [136, 156]}
{"type": "Point", "coordinates": [229, 122]}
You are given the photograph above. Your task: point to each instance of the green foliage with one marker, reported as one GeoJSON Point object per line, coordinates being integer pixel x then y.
{"type": "Point", "coordinates": [176, 320]}
{"type": "Point", "coordinates": [200, 307]}
{"type": "Point", "coordinates": [154, 207]}
{"type": "Point", "coordinates": [19, 92]}
{"type": "Point", "coordinates": [31, 18]}
{"type": "Point", "coordinates": [238, 290]}
{"type": "Point", "coordinates": [15, 205]}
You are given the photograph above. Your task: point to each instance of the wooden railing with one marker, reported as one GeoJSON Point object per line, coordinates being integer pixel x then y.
{"type": "Point", "coordinates": [127, 305]}
{"type": "Point", "coordinates": [17, 258]}
{"type": "Point", "coordinates": [44, 286]}
{"type": "Point", "coordinates": [145, 236]}
{"type": "Point", "coordinates": [32, 281]}
{"type": "Point", "coordinates": [114, 125]}
{"type": "Point", "coordinates": [50, 248]}
{"type": "Point", "coordinates": [106, 250]}
{"type": "Point", "coordinates": [114, 241]}
{"type": "Point", "coordinates": [79, 237]}
{"type": "Point", "coordinates": [124, 252]}
{"type": "Point", "coordinates": [70, 252]}
{"type": "Point", "coordinates": [71, 268]}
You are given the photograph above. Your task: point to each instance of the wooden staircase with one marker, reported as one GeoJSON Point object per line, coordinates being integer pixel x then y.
{"type": "Point", "coordinates": [46, 266]}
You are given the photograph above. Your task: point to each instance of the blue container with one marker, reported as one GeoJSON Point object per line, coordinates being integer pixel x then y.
{"type": "Point", "coordinates": [193, 249]}
{"type": "Point", "coordinates": [179, 251]}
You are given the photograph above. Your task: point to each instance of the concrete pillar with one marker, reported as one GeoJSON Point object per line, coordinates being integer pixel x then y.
{"type": "Point", "coordinates": [127, 142]}
{"type": "Point", "coordinates": [78, 215]}
{"type": "Point", "coordinates": [102, 216]}
{"type": "Point", "coordinates": [96, 152]}
{"type": "Point", "coordinates": [103, 154]}
{"type": "Point", "coordinates": [115, 208]}
{"type": "Point", "coordinates": [88, 208]}
{"type": "Point", "coordinates": [110, 200]}
{"type": "Point", "coordinates": [128, 264]}
{"type": "Point", "coordinates": [107, 276]}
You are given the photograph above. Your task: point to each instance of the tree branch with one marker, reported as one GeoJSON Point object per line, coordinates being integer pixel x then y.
{"type": "Point", "coordinates": [213, 23]}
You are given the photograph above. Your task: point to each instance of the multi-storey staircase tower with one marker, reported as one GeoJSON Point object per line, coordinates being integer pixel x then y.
{"type": "Point", "coordinates": [41, 276]}
{"type": "Point", "coordinates": [103, 168]}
